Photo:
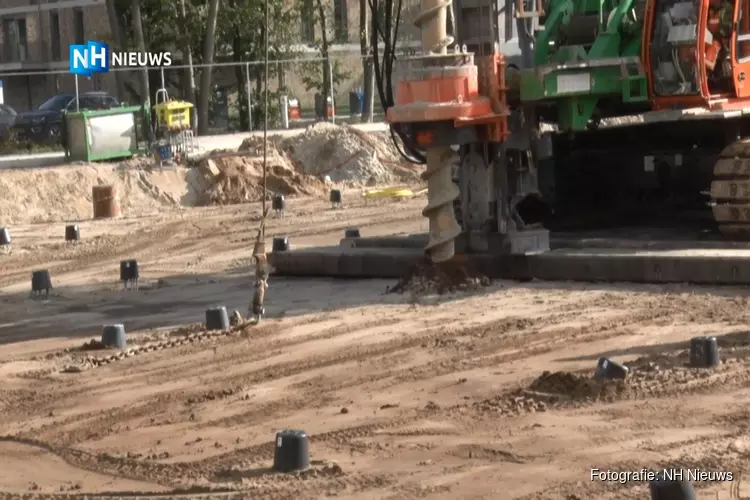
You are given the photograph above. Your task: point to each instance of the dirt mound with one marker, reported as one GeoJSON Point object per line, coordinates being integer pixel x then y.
{"type": "Point", "coordinates": [93, 345]}
{"type": "Point", "coordinates": [576, 386]}
{"type": "Point", "coordinates": [64, 193]}
{"type": "Point", "coordinates": [553, 390]}
{"type": "Point", "coordinates": [297, 165]}
{"type": "Point", "coordinates": [239, 179]}
{"type": "Point", "coordinates": [348, 156]}
{"type": "Point", "coordinates": [427, 278]}
{"type": "Point", "coordinates": [255, 144]}
{"type": "Point", "coordinates": [565, 389]}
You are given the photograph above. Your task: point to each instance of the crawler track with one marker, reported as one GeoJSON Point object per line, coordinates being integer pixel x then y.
{"type": "Point", "coordinates": [730, 191]}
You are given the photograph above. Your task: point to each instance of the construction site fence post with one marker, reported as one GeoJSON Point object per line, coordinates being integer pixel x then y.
{"type": "Point", "coordinates": [329, 62]}
{"type": "Point", "coordinates": [249, 92]}
{"type": "Point", "coordinates": [284, 106]}
{"type": "Point", "coordinates": [77, 108]}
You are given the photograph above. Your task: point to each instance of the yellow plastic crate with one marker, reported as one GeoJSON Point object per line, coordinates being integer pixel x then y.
{"type": "Point", "coordinates": [173, 114]}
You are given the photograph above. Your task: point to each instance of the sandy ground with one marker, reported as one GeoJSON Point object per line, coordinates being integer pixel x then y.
{"type": "Point", "coordinates": [207, 143]}
{"type": "Point", "coordinates": [403, 396]}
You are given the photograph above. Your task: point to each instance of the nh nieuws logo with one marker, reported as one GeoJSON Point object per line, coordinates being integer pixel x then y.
{"type": "Point", "coordinates": [95, 57]}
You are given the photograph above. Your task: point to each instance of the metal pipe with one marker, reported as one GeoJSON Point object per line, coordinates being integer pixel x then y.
{"type": "Point", "coordinates": [434, 24]}
{"type": "Point", "coordinates": [61, 71]}
{"type": "Point", "coordinates": [284, 110]}
{"type": "Point", "coordinates": [330, 90]}
{"type": "Point", "coordinates": [265, 124]}
{"type": "Point", "coordinates": [249, 99]}
{"type": "Point", "coordinates": [77, 107]}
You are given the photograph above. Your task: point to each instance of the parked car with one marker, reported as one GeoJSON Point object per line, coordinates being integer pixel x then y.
{"type": "Point", "coordinates": [7, 119]}
{"type": "Point", "coordinates": [44, 123]}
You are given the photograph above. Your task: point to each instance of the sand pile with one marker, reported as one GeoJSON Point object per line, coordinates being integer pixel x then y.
{"type": "Point", "coordinates": [255, 144]}
{"type": "Point", "coordinates": [64, 193]}
{"type": "Point", "coordinates": [297, 166]}
{"type": "Point", "coordinates": [348, 155]}
{"type": "Point", "coordinates": [239, 179]}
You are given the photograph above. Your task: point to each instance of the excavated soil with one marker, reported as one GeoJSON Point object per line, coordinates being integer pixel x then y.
{"type": "Point", "coordinates": [347, 155]}
{"type": "Point", "coordinates": [427, 278]}
{"type": "Point", "coordinates": [64, 193]}
{"type": "Point", "coordinates": [577, 387]}
{"type": "Point", "coordinates": [240, 180]}
{"type": "Point", "coordinates": [481, 395]}
{"type": "Point", "coordinates": [297, 166]}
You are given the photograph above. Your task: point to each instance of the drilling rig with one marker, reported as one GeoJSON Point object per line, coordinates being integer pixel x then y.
{"type": "Point", "coordinates": [451, 113]}
{"type": "Point", "coordinates": [591, 106]}
{"type": "Point", "coordinates": [598, 107]}
{"type": "Point", "coordinates": [649, 99]}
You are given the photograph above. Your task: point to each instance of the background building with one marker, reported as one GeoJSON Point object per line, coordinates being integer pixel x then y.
{"type": "Point", "coordinates": [35, 35]}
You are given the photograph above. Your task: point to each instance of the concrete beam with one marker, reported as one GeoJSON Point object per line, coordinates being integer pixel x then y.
{"type": "Point", "coordinates": [706, 267]}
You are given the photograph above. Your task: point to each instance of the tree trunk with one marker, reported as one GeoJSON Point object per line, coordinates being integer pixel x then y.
{"type": "Point", "coordinates": [208, 58]}
{"type": "Point", "coordinates": [141, 47]}
{"type": "Point", "coordinates": [119, 45]}
{"type": "Point", "coordinates": [368, 75]}
{"type": "Point", "coordinates": [189, 75]}
{"type": "Point", "coordinates": [239, 74]}
{"type": "Point", "coordinates": [327, 60]}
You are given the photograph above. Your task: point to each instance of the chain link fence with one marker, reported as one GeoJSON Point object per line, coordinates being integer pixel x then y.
{"type": "Point", "coordinates": [236, 102]}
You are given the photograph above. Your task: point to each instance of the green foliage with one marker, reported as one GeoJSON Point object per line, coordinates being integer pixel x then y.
{"type": "Point", "coordinates": [160, 19]}
{"type": "Point", "coordinates": [240, 32]}
{"type": "Point", "coordinates": [313, 75]}
{"type": "Point", "coordinates": [164, 28]}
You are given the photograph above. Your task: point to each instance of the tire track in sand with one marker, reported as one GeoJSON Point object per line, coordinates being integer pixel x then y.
{"type": "Point", "coordinates": [506, 326]}
{"type": "Point", "coordinates": [142, 245]}
{"type": "Point", "coordinates": [482, 354]}
{"type": "Point", "coordinates": [97, 427]}
{"type": "Point", "coordinates": [183, 476]}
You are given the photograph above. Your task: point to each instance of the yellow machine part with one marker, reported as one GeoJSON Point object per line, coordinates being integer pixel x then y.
{"type": "Point", "coordinates": [174, 114]}
{"type": "Point", "coordinates": [393, 192]}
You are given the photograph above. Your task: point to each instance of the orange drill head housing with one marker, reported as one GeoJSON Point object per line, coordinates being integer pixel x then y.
{"type": "Point", "coordinates": [431, 93]}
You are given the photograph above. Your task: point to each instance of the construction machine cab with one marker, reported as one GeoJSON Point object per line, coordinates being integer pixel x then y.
{"type": "Point", "coordinates": [696, 52]}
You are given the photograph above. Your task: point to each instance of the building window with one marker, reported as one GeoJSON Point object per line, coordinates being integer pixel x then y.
{"type": "Point", "coordinates": [16, 42]}
{"type": "Point", "coordinates": [78, 24]}
{"type": "Point", "coordinates": [54, 22]}
{"type": "Point", "coordinates": [340, 21]}
{"type": "Point", "coordinates": [308, 21]}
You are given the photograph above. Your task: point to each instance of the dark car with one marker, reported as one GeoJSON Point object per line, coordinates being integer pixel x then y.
{"type": "Point", "coordinates": [44, 123]}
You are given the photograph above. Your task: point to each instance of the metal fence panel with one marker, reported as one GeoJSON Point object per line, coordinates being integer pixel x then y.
{"type": "Point", "coordinates": [300, 79]}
